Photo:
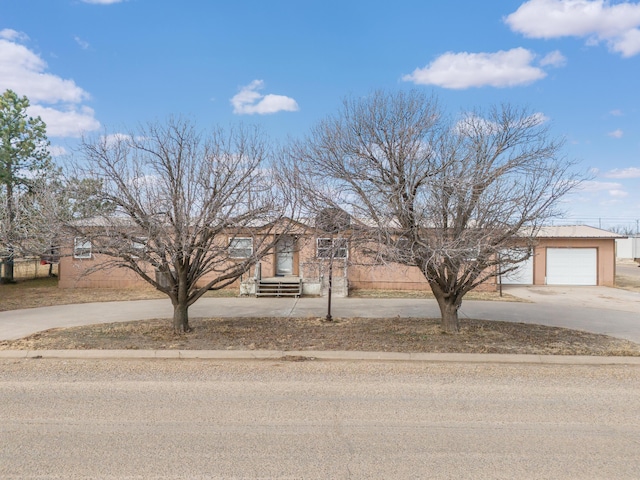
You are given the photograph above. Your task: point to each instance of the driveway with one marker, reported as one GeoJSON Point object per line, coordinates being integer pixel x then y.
{"type": "Point", "coordinates": [587, 297]}
{"type": "Point", "coordinates": [595, 309]}
{"type": "Point", "coordinates": [605, 310]}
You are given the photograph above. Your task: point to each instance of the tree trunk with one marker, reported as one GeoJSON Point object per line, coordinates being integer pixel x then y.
{"type": "Point", "coordinates": [8, 261]}
{"type": "Point", "coordinates": [449, 306]}
{"type": "Point", "coordinates": [7, 276]}
{"type": "Point", "coordinates": [449, 321]}
{"type": "Point", "coordinates": [181, 318]}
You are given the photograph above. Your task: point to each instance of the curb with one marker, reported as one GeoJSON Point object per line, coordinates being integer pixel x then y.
{"type": "Point", "coordinates": [307, 355]}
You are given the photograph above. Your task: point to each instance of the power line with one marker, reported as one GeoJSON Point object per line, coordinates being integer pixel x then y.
{"type": "Point", "coordinates": [629, 224]}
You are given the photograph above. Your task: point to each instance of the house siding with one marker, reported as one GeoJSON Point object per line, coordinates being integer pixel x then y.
{"type": "Point", "coordinates": [394, 276]}
{"type": "Point", "coordinates": [73, 274]}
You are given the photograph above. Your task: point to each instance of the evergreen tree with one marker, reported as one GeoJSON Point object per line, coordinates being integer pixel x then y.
{"type": "Point", "coordinates": [24, 158]}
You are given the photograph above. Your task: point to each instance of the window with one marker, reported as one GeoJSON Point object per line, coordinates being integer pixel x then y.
{"type": "Point", "coordinates": [138, 247]}
{"type": "Point", "coordinates": [241, 247]}
{"type": "Point", "coordinates": [81, 247]}
{"type": "Point", "coordinates": [328, 246]}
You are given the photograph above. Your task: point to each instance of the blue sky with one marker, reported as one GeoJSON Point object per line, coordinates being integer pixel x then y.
{"type": "Point", "coordinates": [95, 66]}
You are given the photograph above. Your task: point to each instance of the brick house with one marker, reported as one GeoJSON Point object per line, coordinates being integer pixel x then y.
{"type": "Point", "coordinates": [301, 260]}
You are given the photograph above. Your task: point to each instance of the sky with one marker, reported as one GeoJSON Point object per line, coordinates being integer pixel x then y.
{"type": "Point", "coordinates": [106, 66]}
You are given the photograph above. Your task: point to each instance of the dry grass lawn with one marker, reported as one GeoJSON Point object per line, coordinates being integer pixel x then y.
{"type": "Point", "coordinates": [628, 283]}
{"type": "Point", "coordinates": [358, 334]}
{"type": "Point", "coordinates": [44, 292]}
{"type": "Point", "coordinates": [628, 275]}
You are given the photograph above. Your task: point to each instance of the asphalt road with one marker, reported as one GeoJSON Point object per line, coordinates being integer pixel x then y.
{"type": "Point", "coordinates": [273, 419]}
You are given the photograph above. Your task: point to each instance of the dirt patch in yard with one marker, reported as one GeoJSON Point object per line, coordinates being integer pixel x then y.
{"type": "Point", "coordinates": [355, 334]}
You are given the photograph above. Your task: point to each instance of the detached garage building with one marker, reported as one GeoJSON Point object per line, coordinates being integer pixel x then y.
{"type": "Point", "coordinates": [572, 255]}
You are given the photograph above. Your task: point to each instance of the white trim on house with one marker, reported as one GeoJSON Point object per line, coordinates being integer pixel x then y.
{"type": "Point", "coordinates": [81, 247]}
{"type": "Point", "coordinates": [240, 247]}
{"type": "Point", "coordinates": [338, 246]}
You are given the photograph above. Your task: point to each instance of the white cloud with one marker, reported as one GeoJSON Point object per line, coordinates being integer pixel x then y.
{"type": "Point", "coordinates": [115, 138]}
{"type": "Point", "coordinates": [616, 133]}
{"type": "Point", "coordinates": [249, 101]}
{"type": "Point", "coordinates": [627, 44]}
{"type": "Point", "coordinates": [146, 182]}
{"type": "Point", "coordinates": [12, 35]}
{"type": "Point", "coordinates": [83, 43]}
{"type": "Point", "coordinates": [616, 112]}
{"type": "Point", "coordinates": [539, 118]}
{"type": "Point", "coordinates": [57, 150]}
{"type": "Point", "coordinates": [618, 193]}
{"type": "Point", "coordinates": [69, 121]}
{"type": "Point", "coordinates": [631, 172]}
{"type": "Point", "coordinates": [554, 59]}
{"type": "Point", "coordinates": [471, 123]}
{"type": "Point", "coordinates": [464, 70]}
{"type": "Point", "coordinates": [594, 20]}
{"type": "Point", "coordinates": [599, 194]}
{"type": "Point", "coordinates": [24, 72]}
{"type": "Point", "coordinates": [595, 186]}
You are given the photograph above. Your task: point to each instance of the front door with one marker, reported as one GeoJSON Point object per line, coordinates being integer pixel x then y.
{"type": "Point", "coordinates": [284, 256]}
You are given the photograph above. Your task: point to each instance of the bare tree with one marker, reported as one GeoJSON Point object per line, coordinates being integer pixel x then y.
{"type": "Point", "coordinates": [628, 230]}
{"type": "Point", "coordinates": [32, 220]}
{"type": "Point", "coordinates": [41, 212]}
{"type": "Point", "coordinates": [461, 200]}
{"type": "Point", "coordinates": [24, 158]}
{"type": "Point", "coordinates": [192, 213]}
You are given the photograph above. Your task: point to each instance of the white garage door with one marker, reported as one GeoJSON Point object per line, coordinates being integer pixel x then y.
{"type": "Point", "coordinates": [523, 275]}
{"type": "Point", "coordinates": [572, 266]}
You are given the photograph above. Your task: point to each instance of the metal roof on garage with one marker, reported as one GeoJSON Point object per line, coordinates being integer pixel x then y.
{"type": "Point", "coordinates": [576, 231]}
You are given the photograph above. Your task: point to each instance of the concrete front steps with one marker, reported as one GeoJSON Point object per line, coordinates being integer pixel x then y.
{"type": "Point", "coordinates": [279, 287]}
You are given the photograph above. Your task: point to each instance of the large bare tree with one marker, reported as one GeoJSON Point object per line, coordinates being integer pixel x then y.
{"type": "Point", "coordinates": [462, 199]}
{"type": "Point", "coordinates": [193, 212]}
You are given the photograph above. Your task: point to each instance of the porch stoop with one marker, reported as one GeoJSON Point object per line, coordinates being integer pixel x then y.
{"type": "Point", "coordinates": [279, 287]}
